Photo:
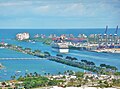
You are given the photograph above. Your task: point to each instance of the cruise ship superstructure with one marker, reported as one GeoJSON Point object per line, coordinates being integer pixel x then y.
{"type": "Point", "coordinates": [60, 47]}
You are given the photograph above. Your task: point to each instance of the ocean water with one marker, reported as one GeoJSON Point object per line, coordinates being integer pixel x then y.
{"type": "Point", "coordinates": [46, 66]}
{"type": "Point", "coordinates": [10, 33]}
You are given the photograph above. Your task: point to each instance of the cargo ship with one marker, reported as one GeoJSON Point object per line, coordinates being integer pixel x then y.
{"type": "Point", "coordinates": [60, 47]}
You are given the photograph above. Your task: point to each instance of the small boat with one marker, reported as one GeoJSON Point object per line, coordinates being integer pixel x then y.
{"type": "Point", "coordinates": [33, 42]}
{"type": "Point", "coordinates": [1, 66]}
{"type": "Point", "coordinates": [5, 74]}
{"type": "Point", "coordinates": [17, 73]}
{"type": "Point", "coordinates": [5, 70]}
{"type": "Point", "coordinates": [43, 71]}
{"type": "Point", "coordinates": [26, 70]}
{"type": "Point", "coordinates": [2, 47]}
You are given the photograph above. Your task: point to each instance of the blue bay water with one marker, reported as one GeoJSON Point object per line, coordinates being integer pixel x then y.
{"type": "Point", "coordinates": [30, 66]}
{"type": "Point", "coordinates": [42, 66]}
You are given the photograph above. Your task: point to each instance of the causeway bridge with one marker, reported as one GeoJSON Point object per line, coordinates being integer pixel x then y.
{"type": "Point", "coordinates": [21, 58]}
{"type": "Point", "coordinates": [32, 58]}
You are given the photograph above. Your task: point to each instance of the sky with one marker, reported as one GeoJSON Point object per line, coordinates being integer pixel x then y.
{"type": "Point", "coordinates": [59, 13]}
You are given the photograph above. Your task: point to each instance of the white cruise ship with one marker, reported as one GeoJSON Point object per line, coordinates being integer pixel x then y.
{"type": "Point", "coordinates": [60, 47]}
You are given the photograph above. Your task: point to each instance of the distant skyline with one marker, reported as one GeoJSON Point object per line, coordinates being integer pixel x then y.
{"type": "Point", "coordinates": [38, 14]}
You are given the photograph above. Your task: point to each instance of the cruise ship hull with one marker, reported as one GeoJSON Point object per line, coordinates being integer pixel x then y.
{"type": "Point", "coordinates": [61, 50]}
{"type": "Point", "coordinates": [60, 47]}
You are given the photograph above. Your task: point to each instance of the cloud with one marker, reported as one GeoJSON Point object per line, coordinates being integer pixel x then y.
{"type": "Point", "coordinates": [16, 3]}
{"type": "Point", "coordinates": [72, 11]}
{"type": "Point", "coordinates": [61, 7]}
{"type": "Point", "coordinates": [42, 9]}
{"type": "Point", "coordinates": [9, 4]}
{"type": "Point", "coordinates": [68, 9]}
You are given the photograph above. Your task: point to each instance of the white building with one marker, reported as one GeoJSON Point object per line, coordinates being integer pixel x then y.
{"type": "Point", "coordinates": [83, 87]}
{"type": "Point", "coordinates": [23, 36]}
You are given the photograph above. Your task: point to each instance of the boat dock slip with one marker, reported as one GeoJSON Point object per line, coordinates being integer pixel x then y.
{"type": "Point", "coordinates": [21, 58]}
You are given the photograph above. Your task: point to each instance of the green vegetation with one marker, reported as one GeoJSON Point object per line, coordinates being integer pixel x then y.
{"type": "Point", "coordinates": [117, 73]}
{"type": "Point", "coordinates": [116, 82]}
{"type": "Point", "coordinates": [59, 55]}
{"type": "Point", "coordinates": [46, 41]}
{"type": "Point", "coordinates": [37, 53]}
{"type": "Point", "coordinates": [66, 79]}
{"type": "Point", "coordinates": [79, 74]}
{"type": "Point", "coordinates": [35, 80]}
{"type": "Point", "coordinates": [71, 58]}
{"type": "Point", "coordinates": [32, 82]}
{"type": "Point", "coordinates": [84, 64]}
{"type": "Point", "coordinates": [108, 66]}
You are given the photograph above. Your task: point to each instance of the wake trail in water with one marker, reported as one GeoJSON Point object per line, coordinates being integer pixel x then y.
{"type": "Point", "coordinates": [87, 56]}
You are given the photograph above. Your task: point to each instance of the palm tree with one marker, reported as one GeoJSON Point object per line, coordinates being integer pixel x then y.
{"type": "Point", "coordinates": [83, 84]}
{"type": "Point", "coordinates": [36, 74]}
{"type": "Point", "coordinates": [68, 71]}
{"type": "Point", "coordinates": [3, 83]}
{"type": "Point", "coordinates": [72, 81]}
{"type": "Point", "coordinates": [48, 74]}
{"type": "Point", "coordinates": [37, 51]}
{"type": "Point", "coordinates": [27, 49]}
{"type": "Point", "coordinates": [91, 78]}
{"type": "Point", "coordinates": [79, 74]}
{"type": "Point", "coordinates": [13, 77]}
{"type": "Point", "coordinates": [9, 45]}
{"type": "Point", "coordinates": [115, 69]}
{"type": "Point", "coordinates": [45, 74]}
{"type": "Point", "coordinates": [65, 72]}
{"type": "Point", "coordinates": [101, 84]}
{"type": "Point", "coordinates": [19, 48]}
{"type": "Point", "coordinates": [47, 53]}
{"type": "Point", "coordinates": [86, 79]}
{"type": "Point", "coordinates": [71, 72]}
{"type": "Point", "coordinates": [74, 58]}
{"type": "Point", "coordinates": [31, 74]}
{"type": "Point", "coordinates": [59, 55]}
{"type": "Point", "coordinates": [79, 81]}
{"type": "Point", "coordinates": [102, 65]}
{"type": "Point", "coordinates": [59, 73]}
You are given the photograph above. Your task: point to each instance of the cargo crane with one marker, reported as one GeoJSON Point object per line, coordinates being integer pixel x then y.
{"type": "Point", "coordinates": [106, 30]}
{"type": "Point", "coordinates": [116, 31]}
{"type": "Point", "coordinates": [115, 35]}
{"type": "Point", "coordinates": [105, 37]}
